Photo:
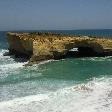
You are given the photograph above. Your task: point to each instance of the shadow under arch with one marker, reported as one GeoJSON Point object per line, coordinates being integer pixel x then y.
{"type": "Point", "coordinates": [85, 49]}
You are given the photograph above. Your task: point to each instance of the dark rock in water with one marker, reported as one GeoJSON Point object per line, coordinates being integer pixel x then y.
{"type": "Point", "coordinates": [44, 46]}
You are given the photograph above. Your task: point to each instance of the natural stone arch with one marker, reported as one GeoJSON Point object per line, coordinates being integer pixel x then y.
{"type": "Point", "coordinates": [86, 48]}
{"type": "Point", "coordinates": [42, 46]}
{"type": "Point", "coordinates": [91, 44]}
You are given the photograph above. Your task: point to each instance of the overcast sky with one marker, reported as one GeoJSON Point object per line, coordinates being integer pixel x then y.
{"type": "Point", "coordinates": [55, 14]}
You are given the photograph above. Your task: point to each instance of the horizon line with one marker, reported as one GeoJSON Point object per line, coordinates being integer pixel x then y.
{"type": "Point", "coordinates": [59, 29]}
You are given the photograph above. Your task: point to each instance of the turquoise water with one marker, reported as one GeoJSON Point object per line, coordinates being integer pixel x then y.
{"type": "Point", "coordinates": [67, 85]}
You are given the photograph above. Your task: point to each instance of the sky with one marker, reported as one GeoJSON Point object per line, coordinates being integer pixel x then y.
{"type": "Point", "coordinates": [55, 14]}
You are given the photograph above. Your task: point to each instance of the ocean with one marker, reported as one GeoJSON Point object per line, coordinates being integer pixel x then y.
{"type": "Point", "coordinates": [66, 85]}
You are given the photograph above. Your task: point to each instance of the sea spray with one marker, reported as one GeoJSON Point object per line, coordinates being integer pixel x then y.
{"type": "Point", "coordinates": [67, 99]}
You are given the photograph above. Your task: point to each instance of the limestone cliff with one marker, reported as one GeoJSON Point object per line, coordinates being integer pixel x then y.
{"type": "Point", "coordinates": [44, 46]}
{"type": "Point", "coordinates": [20, 45]}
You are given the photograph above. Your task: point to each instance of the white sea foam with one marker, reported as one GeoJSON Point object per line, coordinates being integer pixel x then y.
{"type": "Point", "coordinates": [107, 58]}
{"type": "Point", "coordinates": [47, 61]}
{"type": "Point", "coordinates": [7, 64]}
{"type": "Point", "coordinates": [6, 69]}
{"type": "Point", "coordinates": [5, 59]}
{"type": "Point", "coordinates": [44, 62]}
{"type": "Point", "coordinates": [11, 106]}
{"type": "Point", "coordinates": [2, 51]}
{"type": "Point", "coordinates": [12, 66]}
{"type": "Point", "coordinates": [95, 96]}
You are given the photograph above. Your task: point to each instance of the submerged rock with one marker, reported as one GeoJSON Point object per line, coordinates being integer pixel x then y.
{"type": "Point", "coordinates": [44, 46]}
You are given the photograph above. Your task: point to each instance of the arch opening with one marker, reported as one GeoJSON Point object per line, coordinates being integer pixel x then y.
{"type": "Point", "coordinates": [86, 51]}
{"type": "Point", "coordinates": [82, 51]}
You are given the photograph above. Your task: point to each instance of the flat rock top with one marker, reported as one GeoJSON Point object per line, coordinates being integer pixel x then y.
{"type": "Point", "coordinates": [34, 35]}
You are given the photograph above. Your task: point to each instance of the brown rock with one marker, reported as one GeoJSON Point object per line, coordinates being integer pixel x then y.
{"type": "Point", "coordinates": [43, 46]}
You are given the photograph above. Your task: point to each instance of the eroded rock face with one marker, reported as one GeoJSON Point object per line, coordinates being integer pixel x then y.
{"type": "Point", "coordinates": [44, 46]}
{"type": "Point", "coordinates": [19, 45]}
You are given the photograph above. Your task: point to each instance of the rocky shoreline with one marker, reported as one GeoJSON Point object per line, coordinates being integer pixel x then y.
{"type": "Point", "coordinates": [44, 46]}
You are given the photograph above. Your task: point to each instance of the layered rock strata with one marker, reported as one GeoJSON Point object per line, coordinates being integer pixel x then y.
{"type": "Point", "coordinates": [44, 46]}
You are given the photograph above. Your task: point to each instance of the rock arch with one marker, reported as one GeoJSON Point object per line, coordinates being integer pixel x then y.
{"type": "Point", "coordinates": [85, 48]}
{"type": "Point", "coordinates": [42, 46]}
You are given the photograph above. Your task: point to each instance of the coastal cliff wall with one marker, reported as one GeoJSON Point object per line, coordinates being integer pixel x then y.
{"type": "Point", "coordinates": [19, 45]}
{"type": "Point", "coordinates": [44, 46]}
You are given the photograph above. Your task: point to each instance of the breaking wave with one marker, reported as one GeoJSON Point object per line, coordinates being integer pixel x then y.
{"type": "Point", "coordinates": [7, 64]}
{"type": "Point", "coordinates": [94, 96]}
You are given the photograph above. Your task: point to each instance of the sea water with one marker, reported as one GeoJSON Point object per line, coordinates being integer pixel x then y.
{"type": "Point", "coordinates": [67, 85]}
